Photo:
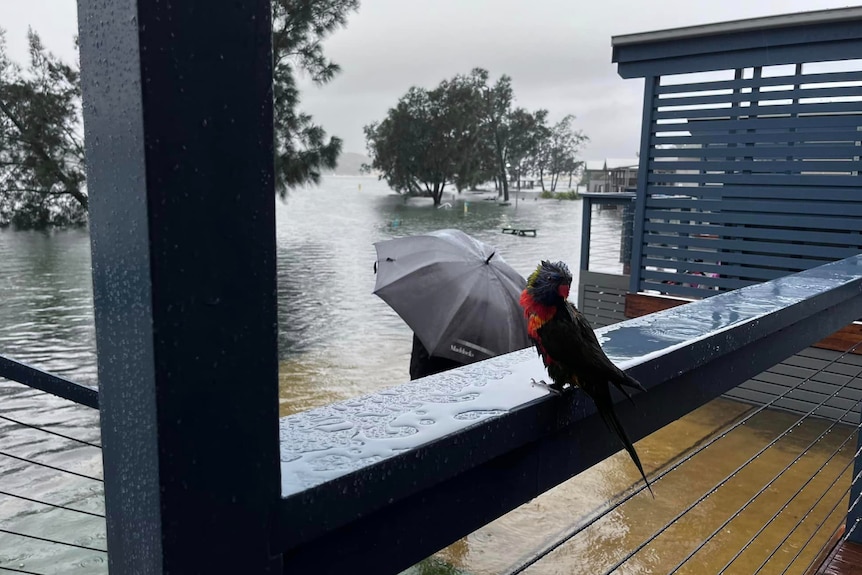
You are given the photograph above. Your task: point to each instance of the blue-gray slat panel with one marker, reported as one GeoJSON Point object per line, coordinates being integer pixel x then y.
{"type": "Point", "coordinates": [759, 205]}
{"type": "Point", "coordinates": [822, 195]}
{"type": "Point", "coordinates": [841, 134]}
{"type": "Point", "coordinates": [710, 245]}
{"type": "Point", "coordinates": [762, 219]}
{"type": "Point", "coordinates": [772, 166]}
{"type": "Point", "coordinates": [727, 267]}
{"type": "Point", "coordinates": [755, 110]}
{"type": "Point", "coordinates": [724, 283]}
{"type": "Point", "coordinates": [819, 78]}
{"type": "Point", "coordinates": [695, 125]}
{"type": "Point", "coordinates": [760, 96]}
{"type": "Point", "coordinates": [836, 151]}
{"type": "Point", "coordinates": [678, 290]}
{"type": "Point", "coordinates": [788, 235]}
{"type": "Point", "coordinates": [757, 179]}
{"type": "Point", "coordinates": [728, 258]}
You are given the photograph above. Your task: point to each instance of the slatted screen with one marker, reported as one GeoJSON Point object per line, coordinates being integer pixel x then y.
{"type": "Point", "coordinates": [752, 174]}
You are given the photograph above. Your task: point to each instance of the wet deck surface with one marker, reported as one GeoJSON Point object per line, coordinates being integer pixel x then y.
{"type": "Point", "coordinates": [807, 524]}
{"type": "Point", "coordinates": [844, 559]}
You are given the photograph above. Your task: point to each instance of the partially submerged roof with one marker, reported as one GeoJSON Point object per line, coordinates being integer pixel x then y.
{"type": "Point", "coordinates": [787, 38]}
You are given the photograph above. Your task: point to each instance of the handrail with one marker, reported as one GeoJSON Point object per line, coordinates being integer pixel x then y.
{"type": "Point", "coordinates": [454, 451]}
{"type": "Point", "coordinates": [48, 382]}
{"type": "Point", "coordinates": [588, 198]}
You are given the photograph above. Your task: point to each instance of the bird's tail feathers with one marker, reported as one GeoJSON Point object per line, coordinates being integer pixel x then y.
{"type": "Point", "coordinates": [610, 417]}
{"type": "Point", "coordinates": [625, 380]}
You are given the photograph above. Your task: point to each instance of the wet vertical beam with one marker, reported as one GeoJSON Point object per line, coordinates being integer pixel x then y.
{"type": "Point", "coordinates": [650, 84]}
{"type": "Point", "coordinates": [178, 125]}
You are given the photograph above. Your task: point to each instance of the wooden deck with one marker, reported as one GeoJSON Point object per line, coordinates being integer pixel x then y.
{"type": "Point", "coordinates": [841, 558]}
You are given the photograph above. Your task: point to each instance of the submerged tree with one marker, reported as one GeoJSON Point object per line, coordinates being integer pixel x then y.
{"type": "Point", "coordinates": [465, 132]}
{"type": "Point", "coordinates": [421, 145]}
{"type": "Point", "coordinates": [560, 152]}
{"type": "Point", "coordinates": [41, 150]}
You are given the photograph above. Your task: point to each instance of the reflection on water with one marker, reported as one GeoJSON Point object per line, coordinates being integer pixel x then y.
{"type": "Point", "coordinates": [337, 340]}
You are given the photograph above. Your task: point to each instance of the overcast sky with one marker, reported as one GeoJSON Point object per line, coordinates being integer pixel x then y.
{"type": "Point", "coordinates": [558, 53]}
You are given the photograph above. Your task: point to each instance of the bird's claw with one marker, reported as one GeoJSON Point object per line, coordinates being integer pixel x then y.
{"type": "Point", "coordinates": [546, 385]}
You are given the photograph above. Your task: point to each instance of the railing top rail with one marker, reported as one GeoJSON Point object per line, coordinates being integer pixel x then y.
{"type": "Point", "coordinates": [620, 197]}
{"type": "Point", "coordinates": [48, 382]}
{"type": "Point", "coordinates": [371, 452]}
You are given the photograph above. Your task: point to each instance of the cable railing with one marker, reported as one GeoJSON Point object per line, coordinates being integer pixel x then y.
{"type": "Point", "coordinates": [656, 479]}
{"type": "Point", "coordinates": [52, 515]}
{"type": "Point", "coordinates": [798, 307]}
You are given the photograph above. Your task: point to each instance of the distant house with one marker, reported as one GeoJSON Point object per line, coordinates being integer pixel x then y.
{"type": "Point", "coordinates": [610, 174]}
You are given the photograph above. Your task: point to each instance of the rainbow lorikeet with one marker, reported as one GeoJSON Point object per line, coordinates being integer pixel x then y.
{"type": "Point", "coordinates": [569, 348]}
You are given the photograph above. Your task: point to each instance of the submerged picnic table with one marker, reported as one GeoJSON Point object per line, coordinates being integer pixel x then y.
{"type": "Point", "coordinates": [520, 231]}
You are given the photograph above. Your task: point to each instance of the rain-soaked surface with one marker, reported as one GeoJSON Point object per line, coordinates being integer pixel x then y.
{"type": "Point", "coordinates": [338, 341]}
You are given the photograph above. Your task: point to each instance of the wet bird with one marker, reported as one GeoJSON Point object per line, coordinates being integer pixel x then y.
{"type": "Point", "coordinates": [570, 350]}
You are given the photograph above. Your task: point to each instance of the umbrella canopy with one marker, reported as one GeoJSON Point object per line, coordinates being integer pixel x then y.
{"type": "Point", "coordinates": [456, 293]}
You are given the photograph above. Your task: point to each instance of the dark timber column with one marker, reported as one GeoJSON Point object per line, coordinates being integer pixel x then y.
{"type": "Point", "coordinates": [179, 135]}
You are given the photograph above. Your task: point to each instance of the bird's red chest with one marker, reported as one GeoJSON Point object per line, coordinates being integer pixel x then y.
{"type": "Point", "coordinates": [536, 313]}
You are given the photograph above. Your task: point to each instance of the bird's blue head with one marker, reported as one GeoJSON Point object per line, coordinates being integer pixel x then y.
{"type": "Point", "coordinates": [550, 283]}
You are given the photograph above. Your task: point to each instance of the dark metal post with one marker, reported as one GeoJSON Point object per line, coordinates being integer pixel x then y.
{"type": "Point", "coordinates": [586, 226]}
{"type": "Point", "coordinates": [178, 125]}
{"type": "Point", "coordinates": [650, 83]}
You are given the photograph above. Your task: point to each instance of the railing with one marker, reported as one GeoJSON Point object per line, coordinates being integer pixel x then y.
{"type": "Point", "coordinates": [51, 489]}
{"type": "Point", "coordinates": [606, 242]}
{"type": "Point", "coordinates": [197, 476]}
{"type": "Point", "coordinates": [430, 453]}
{"type": "Point", "coordinates": [455, 451]}
{"type": "Point", "coordinates": [609, 248]}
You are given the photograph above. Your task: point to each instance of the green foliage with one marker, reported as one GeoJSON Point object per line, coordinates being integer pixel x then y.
{"type": "Point", "coordinates": [547, 195]}
{"type": "Point", "coordinates": [42, 174]}
{"type": "Point", "coordinates": [298, 27]}
{"type": "Point", "coordinates": [419, 147]}
{"type": "Point", "coordinates": [465, 132]}
{"type": "Point", "coordinates": [559, 154]}
{"type": "Point", "coordinates": [570, 195]}
{"type": "Point", "coordinates": [41, 151]}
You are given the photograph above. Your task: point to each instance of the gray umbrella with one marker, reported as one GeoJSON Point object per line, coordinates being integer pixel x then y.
{"type": "Point", "coordinates": [456, 293]}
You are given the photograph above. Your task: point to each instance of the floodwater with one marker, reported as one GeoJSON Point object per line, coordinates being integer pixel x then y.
{"type": "Point", "coordinates": [337, 340]}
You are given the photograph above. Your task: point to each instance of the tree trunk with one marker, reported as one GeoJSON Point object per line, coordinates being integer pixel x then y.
{"type": "Point", "coordinates": [570, 180]}
{"type": "Point", "coordinates": [438, 193]}
{"type": "Point", "coordinates": [542, 178]}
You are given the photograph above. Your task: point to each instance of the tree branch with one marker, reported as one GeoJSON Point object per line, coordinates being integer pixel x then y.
{"type": "Point", "coordinates": [42, 153]}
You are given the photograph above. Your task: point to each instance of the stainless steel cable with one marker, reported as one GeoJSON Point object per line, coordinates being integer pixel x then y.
{"type": "Point", "coordinates": [831, 485]}
{"type": "Point", "coordinates": [547, 549]}
{"type": "Point", "coordinates": [46, 540]}
{"type": "Point", "coordinates": [721, 483]}
{"type": "Point", "coordinates": [13, 570]}
{"type": "Point", "coordinates": [49, 431]}
{"type": "Point", "coordinates": [804, 485]}
{"type": "Point", "coordinates": [822, 521]}
{"type": "Point", "coordinates": [828, 539]}
{"type": "Point", "coordinates": [40, 464]}
{"type": "Point", "coordinates": [55, 505]}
